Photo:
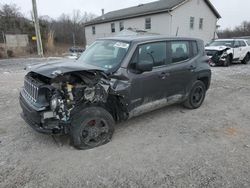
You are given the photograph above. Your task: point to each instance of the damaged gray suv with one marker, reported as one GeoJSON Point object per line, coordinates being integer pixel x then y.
{"type": "Point", "coordinates": [114, 80]}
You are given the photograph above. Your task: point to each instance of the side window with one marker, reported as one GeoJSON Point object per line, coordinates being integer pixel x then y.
{"type": "Point", "coordinates": [201, 23]}
{"type": "Point", "coordinates": [156, 51]}
{"type": "Point", "coordinates": [121, 26]}
{"type": "Point", "coordinates": [194, 48]}
{"type": "Point", "coordinates": [152, 51]}
{"type": "Point", "coordinates": [236, 44]}
{"type": "Point", "coordinates": [248, 42]}
{"type": "Point", "coordinates": [242, 43]}
{"type": "Point", "coordinates": [112, 27]}
{"type": "Point", "coordinates": [191, 23]}
{"type": "Point", "coordinates": [148, 23]}
{"type": "Point", "coordinates": [93, 30]}
{"type": "Point", "coordinates": [180, 51]}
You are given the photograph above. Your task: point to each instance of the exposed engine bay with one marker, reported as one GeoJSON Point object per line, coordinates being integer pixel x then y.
{"type": "Point", "coordinates": [60, 95]}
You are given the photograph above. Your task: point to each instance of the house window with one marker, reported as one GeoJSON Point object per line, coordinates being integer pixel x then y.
{"type": "Point", "coordinates": [148, 23]}
{"type": "Point", "coordinates": [201, 23]}
{"type": "Point", "coordinates": [93, 30]}
{"type": "Point", "coordinates": [121, 26]}
{"type": "Point", "coordinates": [191, 22]}
{"type": "Point", "coordinates": [112, 27]}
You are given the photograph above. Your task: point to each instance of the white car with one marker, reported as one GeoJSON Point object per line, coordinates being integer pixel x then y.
{"type": "Point", "coordinates": [225, 51]}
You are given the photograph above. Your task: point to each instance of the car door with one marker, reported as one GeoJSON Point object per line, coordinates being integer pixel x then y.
{"type": "Point", "coordinates": [237, 50]}
{"type": "Point", "coordinates": [181, 68]}
{"type": "Point", "coordinates": [243, 50]}
{"type": "Point", "coordinates": [147, 87]}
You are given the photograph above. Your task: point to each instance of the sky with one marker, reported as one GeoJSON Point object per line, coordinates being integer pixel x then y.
{"type": "Point", "coordinates": [232, 12]}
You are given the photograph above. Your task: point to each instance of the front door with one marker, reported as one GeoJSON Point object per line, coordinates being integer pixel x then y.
{"type": "Point", "coordinates": [148, 87]}
{"type": "Point", "coordinates": [237, 50]}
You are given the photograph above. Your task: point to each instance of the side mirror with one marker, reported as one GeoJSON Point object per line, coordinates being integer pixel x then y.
{"type": "Point", "coordinates": [145, 66]}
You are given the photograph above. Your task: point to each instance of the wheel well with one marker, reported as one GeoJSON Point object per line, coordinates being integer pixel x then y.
{"type": "Point", "coordinates": [205, 80]}
{"type": "Point", "coordinates": [116, 108]}
{"type": "Point", "coordinates": [231, 56]}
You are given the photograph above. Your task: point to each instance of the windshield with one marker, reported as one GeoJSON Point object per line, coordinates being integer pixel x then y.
{"type": "Point", "coordinates": [106, 54]}
{"type": "Point", "coordinates": [222, 43]}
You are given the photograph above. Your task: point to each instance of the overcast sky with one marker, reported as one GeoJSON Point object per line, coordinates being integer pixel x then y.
{"type": "Point", "coordinates": [233, 12]}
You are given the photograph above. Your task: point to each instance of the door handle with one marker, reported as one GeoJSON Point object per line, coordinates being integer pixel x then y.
{"type": "Point", "coordinates": [164, 75]}
{"type": "Point", "coordinates": [191, 68]}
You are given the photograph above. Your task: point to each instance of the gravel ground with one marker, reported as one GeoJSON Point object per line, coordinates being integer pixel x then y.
{"type": "Point", "coordinates": [171, 147]}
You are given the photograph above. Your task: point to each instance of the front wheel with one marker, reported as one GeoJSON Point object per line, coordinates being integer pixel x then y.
{"type": "Point", "coordinates": [91, 127]}
{"type": "Point", "coordinates": [228, 61]}
{"type": "Point", "coordinates": [196, 95]}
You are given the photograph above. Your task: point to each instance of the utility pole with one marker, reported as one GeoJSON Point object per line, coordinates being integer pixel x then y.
{"type": "Point", "coordinates": [74, 40]}
{"type": "Point", "coordinates": [37, 28]}
{"type": "Point", "coordinates": [5, 45]}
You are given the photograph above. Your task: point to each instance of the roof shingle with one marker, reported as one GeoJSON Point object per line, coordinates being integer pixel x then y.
{"type": "Point", "coordinates": [143, 9]}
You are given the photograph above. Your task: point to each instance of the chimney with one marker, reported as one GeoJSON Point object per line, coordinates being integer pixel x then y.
{"type": "Point", "coordinates": [102, 12]}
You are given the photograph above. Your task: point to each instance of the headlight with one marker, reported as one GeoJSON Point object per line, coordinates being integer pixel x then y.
{"type": "Point", "coordinates": [224, 55]}
{"type": "Point", "coordinates": [54, 103]}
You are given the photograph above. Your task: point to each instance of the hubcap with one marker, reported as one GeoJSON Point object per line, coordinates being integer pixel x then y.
{"type": "Point", "coordinates": [197, 95]}
{"type": "Point", "coordinates": [95, 132]}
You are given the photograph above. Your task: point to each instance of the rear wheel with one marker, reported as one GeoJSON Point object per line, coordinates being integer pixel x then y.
{"type": "Point", "coordinates": [196, 95]}
{"type": "Point", "coordinates": [246, 59]}
{"type": "Point", "coordinates": [91, 127]}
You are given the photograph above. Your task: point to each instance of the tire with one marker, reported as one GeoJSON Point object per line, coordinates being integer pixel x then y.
{"type": "Point", "coordinates": [228, 61]}
{"type": "Point", "coordinates": [246, 59]}
{"type": "Point", "coordinates": [91, 127]}
{"type": "Point", "coordinates": [196, 95]}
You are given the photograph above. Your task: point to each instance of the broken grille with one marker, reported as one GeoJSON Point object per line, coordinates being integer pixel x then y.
{"type": "Point", "coordinates": [211, 52]}
{"type": "Point", "coordinates": [31, 89]}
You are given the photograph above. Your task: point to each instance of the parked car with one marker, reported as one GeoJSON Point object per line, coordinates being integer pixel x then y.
{"type": "Point", "coordinates": [247, 38]}
{"type": "Point", "coordinates": [76, 49]}
{"type": "Point", "coordinates": [225, 51]}
{"type": "Point", "coordinates": [114, 80]}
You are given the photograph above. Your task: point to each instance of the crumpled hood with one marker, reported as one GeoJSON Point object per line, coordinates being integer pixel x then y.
{"type": "Point", "coordinates": [217, 48]}
{"type": "Point", "coordinates": [55, 68]}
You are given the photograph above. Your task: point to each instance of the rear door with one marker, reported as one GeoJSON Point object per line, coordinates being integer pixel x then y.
{"type": "Point", "coordinates": [244, 49]}
{"type": "Point", "coordinates": [237, 50]}
{"type": "Point", "coordinates": [180, 68]}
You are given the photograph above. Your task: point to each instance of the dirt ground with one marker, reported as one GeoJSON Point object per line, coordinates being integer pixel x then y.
{"type": "Point", "coordinates": [171, 147]}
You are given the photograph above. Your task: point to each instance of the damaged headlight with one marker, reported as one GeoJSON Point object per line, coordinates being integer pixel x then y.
{"type": "Point", "coordinates": [224, 55]}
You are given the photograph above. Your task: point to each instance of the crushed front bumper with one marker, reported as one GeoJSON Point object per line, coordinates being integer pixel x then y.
{"type": "Point", "coordinates": [35, 119]}
{"type": "Point", "coordinates": [216, 61]}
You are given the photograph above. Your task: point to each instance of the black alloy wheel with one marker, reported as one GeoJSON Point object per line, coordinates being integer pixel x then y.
{"type": "Point", "coordinates": [228, 61]}
{"type": "Point", "coordinates": [246, 59]}
{"type": "Point", "coordinates": [91, 127]}
{"type": "Point", "coordinates": [196, 95]}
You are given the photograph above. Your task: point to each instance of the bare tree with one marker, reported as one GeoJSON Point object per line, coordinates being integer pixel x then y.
{"type": "Point", "coordinates": [68, 28]}
{"type": "Point", "coordinates": [238, 31]}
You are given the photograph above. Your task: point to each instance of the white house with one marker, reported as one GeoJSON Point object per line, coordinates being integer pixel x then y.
{"type": "Point", "coordinates": [183, 18]}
